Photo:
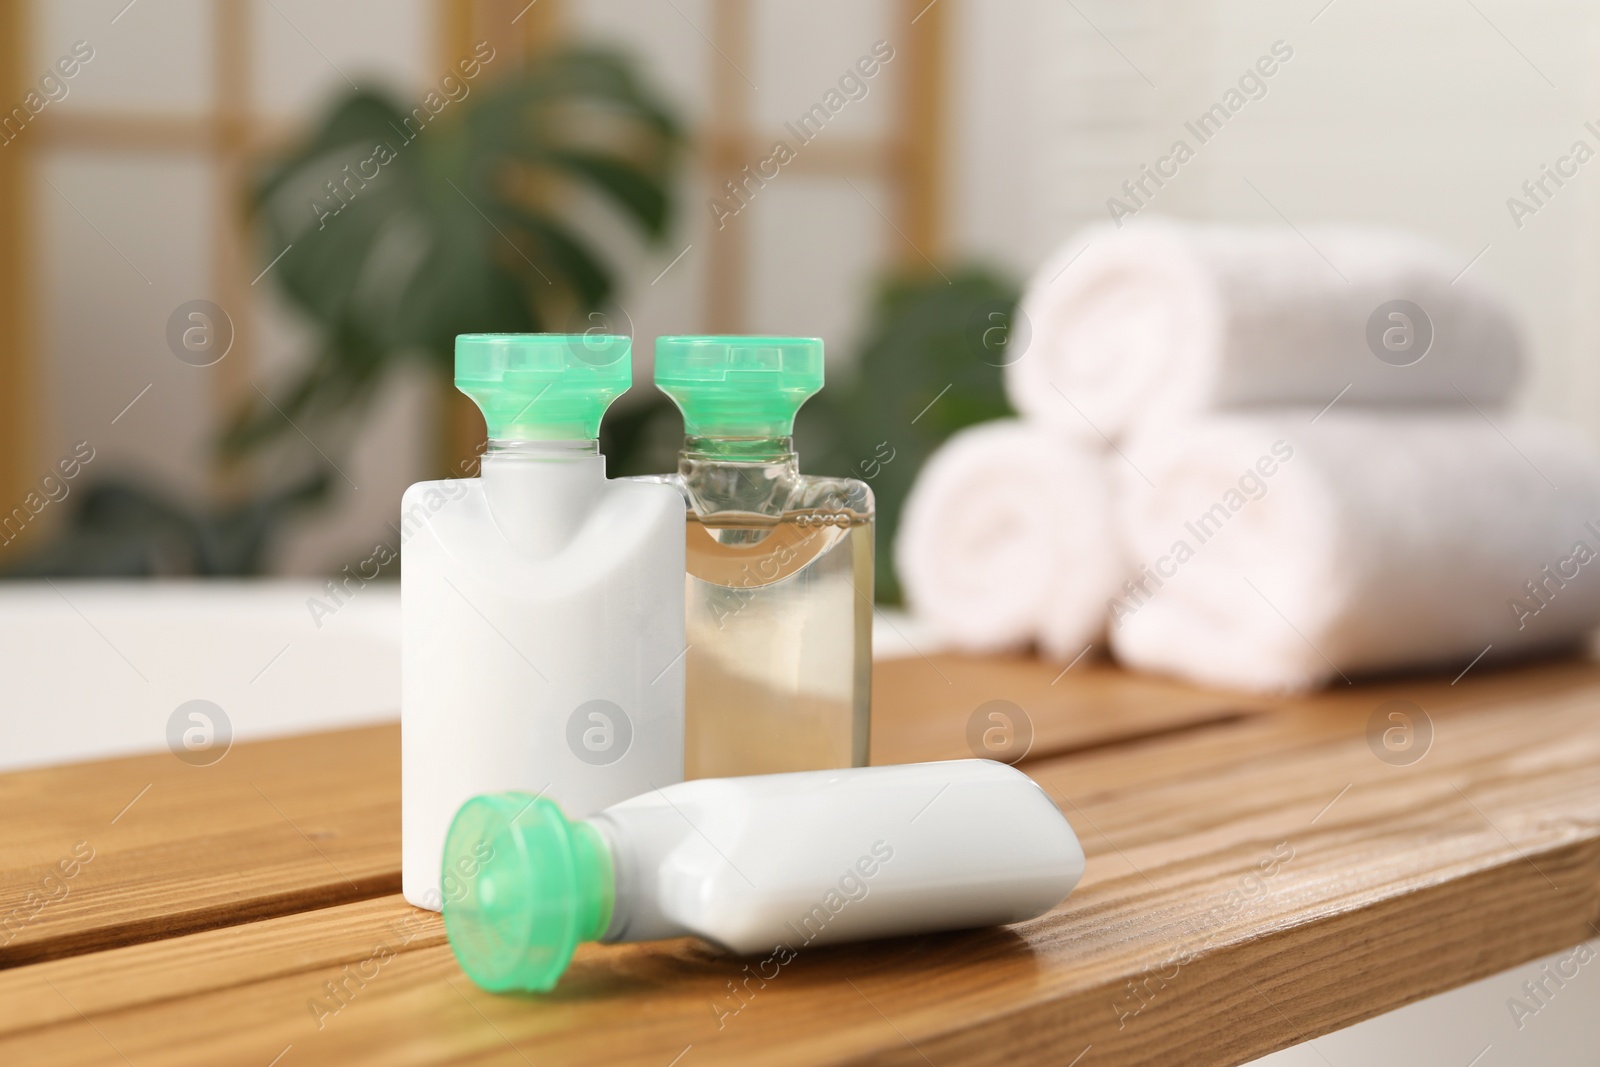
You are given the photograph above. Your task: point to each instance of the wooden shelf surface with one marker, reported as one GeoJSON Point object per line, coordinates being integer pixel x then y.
{"type": "Point", "coordinates": [1257, 876]}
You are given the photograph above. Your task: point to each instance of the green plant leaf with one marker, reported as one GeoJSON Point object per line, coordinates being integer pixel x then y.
{"type": "Point", "coordinates": [632, 189]}
{"type": "Point", "coordinates": [399, 229]}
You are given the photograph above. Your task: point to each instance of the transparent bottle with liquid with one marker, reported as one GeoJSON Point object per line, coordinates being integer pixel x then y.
{"type": "Point", "coordinates": [779, 579]}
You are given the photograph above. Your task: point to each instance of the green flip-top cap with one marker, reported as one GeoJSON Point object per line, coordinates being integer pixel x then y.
{"type": "Point", "coordinates": [522, 888]}
{"type": "Point", "coordinates": [543, 386]}
{"type": "Point", "coordinates": [739, 386]}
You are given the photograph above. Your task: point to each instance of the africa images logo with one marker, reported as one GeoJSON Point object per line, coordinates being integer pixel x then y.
{"type": "Point", "coordinates": [599, 732]}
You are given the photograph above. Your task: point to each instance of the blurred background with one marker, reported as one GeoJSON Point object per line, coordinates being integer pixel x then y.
{"type": "Point", "coordinates": [182, 159]}
{"type": "Point", "coordinates": [275, 432]}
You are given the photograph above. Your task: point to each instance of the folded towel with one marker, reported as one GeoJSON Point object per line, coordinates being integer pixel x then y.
{"type": "Point", "coordinates": [1162, 318]}
{"type": "Point", "coordinates": [1006, 539]}
{"type": "Point", "coordinates": [1270, 552]}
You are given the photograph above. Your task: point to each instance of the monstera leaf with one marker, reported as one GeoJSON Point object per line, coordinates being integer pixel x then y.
{"type": "Point", "coordinates": [399, 229]}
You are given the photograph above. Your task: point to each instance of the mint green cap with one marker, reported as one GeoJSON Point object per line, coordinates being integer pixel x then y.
{"type": "Point", "coordinates": [542, 885]}
{"type": "Point", "coordinates": [543, 386]}
{"type": "Point", "coordinates": [739, 386]}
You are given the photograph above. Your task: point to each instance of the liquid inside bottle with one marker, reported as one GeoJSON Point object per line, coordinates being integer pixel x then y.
{"type": "Point", "coordinates": [778, 669]}
{"type": "Point", "coordinates": [779, 630]}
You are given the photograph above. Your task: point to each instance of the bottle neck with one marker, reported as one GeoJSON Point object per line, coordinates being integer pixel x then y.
{"type": "Point", "coordinates": [540, 492]}
{"type": "Point", "coordinates": [500, 447]}
{"type": "Point", "coordinates": [593, 863]}
{"type": "Point", "coordinates": [763, 450]}
{"type": "Point", "coordinates": [750, 474]}
{"type": "Point", "coordinates": [636, 840]}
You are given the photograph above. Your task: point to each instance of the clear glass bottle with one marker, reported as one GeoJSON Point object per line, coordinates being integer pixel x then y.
{"type": "Point", "coordinates": [779, 566]}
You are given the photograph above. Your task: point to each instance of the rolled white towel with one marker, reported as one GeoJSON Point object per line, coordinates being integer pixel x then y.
{"type": "Point", "coordinates": [1007, 539]}
{"type": "Point", "coordinates": [1276, 553]}
{"type": "Point", "coordinates": [1131, 327]}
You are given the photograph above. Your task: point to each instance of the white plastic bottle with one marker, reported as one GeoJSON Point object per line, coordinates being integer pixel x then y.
{"type": "Point", "coordinates": [543, 613]}
{"type": "Point", "coordinates": [769, 863]}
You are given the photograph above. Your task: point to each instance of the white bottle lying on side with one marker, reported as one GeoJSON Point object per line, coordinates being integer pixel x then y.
{"type": "Point", "coordinates": [542, 605]}
{"type": "Point", "coordinates": [769, 862]}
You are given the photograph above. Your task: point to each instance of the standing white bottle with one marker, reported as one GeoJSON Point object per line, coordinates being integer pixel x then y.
{"type": "Point", "coordinates": [542, 604]}
{"type": "Point", "coordinates": [770, 863]}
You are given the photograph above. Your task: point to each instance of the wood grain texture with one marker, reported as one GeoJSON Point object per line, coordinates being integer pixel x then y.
{"type": "Point", "coordinates": [1252, 882]}
{"type": "Point", "coordinates": [315, 819]}
{"type": "Point", "coordinates": [273, 828]}
{"type": "Point", "coordinates": [925, 708]}
{"type": "Point", "coordinates": [320, 943]}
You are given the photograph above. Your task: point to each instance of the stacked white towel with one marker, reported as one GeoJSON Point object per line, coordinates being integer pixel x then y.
{"type": "Point", "coordinates": [1132, 327]}
{"type": "Point", "coordinates": [1006, 540]}
{"type": "Point", "coordinates": [1294, 498]}
{"type": "Point", "coordinates": [1276, 553]}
